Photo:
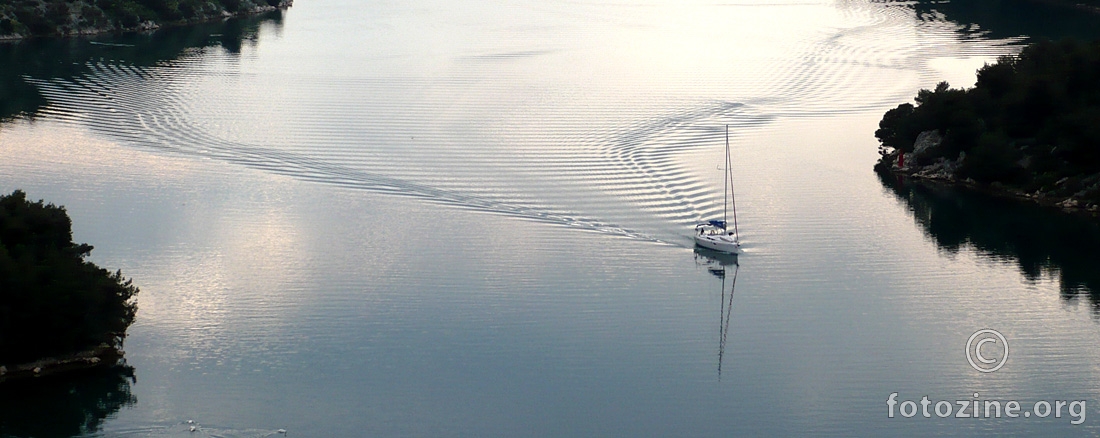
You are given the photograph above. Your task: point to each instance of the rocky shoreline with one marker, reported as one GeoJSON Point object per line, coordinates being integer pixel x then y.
{"type": "Point", "coordinates": [81, 18]}
{"type": "Point", "coordinates": [1075, 5]}
{"type": "Point", "coordinates": [101, 356]}
{"type": "Point", "coordinates": [943, 171]}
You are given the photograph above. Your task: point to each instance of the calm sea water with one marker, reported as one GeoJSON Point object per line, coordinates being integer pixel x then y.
{"type": "Point", "coordinates": [474, 218]}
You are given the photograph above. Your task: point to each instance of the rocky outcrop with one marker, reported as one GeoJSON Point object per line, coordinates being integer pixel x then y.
{"type": "Point", "coordinates": [925, 141]}
{"type": "Point", "coordinates": [1065, 194]}
{"type": "Point", "coordinates": [102, 355]}
{"type": "Point", "coordinates": [36, 18]}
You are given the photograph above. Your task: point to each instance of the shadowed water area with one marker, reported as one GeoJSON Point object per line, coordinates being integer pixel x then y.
{"type": "Point", "coordinates": [474, 219]}
{"type": "Point", "coordinates": [1044, 242]}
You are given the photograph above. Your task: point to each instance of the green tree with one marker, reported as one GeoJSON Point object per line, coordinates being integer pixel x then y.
{"type": "Point", "coordinates": [1030, 121]}
{"type": "Point", "coordinates": [53, 301]}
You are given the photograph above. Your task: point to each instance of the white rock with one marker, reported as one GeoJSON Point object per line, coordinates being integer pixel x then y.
{"type": "Point", "coordinates": [926, 140]}
{"type": "Point", "coordinates": [1068, 203]}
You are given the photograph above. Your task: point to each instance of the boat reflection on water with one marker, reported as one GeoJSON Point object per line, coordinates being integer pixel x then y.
{"type": "Point", "coordinates": [1041, 241]}
{"type": "Point", "coordinates": [724, 266]}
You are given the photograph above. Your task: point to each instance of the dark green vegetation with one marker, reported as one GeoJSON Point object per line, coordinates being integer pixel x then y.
{"type": "Point", "coordinates": [52, 301]}
{"type": "Point", "coordinates": [1031, 124]}
{"type": "Point", "coordinates": [22, 18]}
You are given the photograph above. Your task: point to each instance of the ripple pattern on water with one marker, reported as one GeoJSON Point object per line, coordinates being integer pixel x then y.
{"type": "Point", "coordinates": [636, 163]}
{"type": "Point", "coordinates": [478, 136]}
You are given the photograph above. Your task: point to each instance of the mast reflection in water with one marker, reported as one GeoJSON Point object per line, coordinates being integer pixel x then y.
{"type": "Point", "coordinates": [725, 267]}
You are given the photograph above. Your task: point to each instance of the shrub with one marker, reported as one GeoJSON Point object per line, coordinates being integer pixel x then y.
{"type": "Point", "coordinates": [52, 301]}
{"type": "Point", "coordinates": [1036, 113]}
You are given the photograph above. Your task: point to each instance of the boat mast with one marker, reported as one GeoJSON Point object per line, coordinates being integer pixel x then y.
{"type": "Point", "coordinates": [729, 183]}
{"type": "Point", "coordinates": [726, 181]}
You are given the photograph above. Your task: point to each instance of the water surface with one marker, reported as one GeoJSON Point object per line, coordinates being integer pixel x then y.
{"type": "Point", "coordinates": [474, 219]}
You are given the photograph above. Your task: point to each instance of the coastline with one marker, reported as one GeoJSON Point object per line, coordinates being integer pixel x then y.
{"type": "Point", "coordinates": [74, 29]}
{"type": "Point", "coordinates": [940, 174]}
{"type": "Point", "coordinates": [101, 356]}
{"type": "Point", "coordinates": [1094, 9]}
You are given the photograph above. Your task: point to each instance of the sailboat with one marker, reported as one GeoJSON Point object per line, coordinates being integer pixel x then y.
{"type": "Point", "coordinates": [715, 234]}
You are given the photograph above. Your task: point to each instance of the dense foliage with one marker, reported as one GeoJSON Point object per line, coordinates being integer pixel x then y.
{"type": "Point", "coordinates": [52, 301]}
{"type": "Point", "coordinates": [1031, 122]}
{"type": "Point", "coordinates": [70, 17]}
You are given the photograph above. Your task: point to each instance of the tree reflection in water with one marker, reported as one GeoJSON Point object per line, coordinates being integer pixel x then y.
{"type": "Point", "coordinates": [1012, 18]}
{"type": "Point", "coordinates": [64, 405]}
{"type": "Point", "coordinates": [67, 58]}
{"type": "Point", "coordinates": [1039, 240]}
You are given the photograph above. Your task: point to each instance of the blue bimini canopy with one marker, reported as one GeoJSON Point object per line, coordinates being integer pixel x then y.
{"type": "Point", "coordinates": [719, 224]}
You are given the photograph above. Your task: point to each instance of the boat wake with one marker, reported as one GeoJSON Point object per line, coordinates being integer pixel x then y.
{"type": "Point", "coordinates": [479, 139]}
{"type": "Point", "coordinates": [148, 108]}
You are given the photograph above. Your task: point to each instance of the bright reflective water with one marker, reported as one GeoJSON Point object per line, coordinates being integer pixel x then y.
{"type": "Point", "coordinates": [474, 219]}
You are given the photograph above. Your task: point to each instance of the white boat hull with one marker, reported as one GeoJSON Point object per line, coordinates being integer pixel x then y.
{"type": "Point", "coordinates": [718, 242]}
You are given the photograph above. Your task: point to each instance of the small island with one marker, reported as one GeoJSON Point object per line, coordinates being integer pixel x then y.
{"type": "Point", "coordinates": [58, 311]}
{"type": "Point", "coordinates": [1029, 128]}
{"type": "Point", "coordinates": [38, 18]}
